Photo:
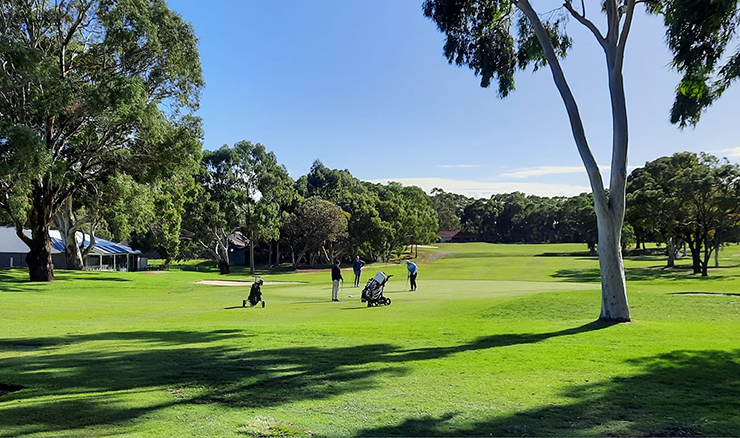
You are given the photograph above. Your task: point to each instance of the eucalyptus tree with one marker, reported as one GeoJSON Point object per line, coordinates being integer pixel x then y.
{"type": "Point", "coordinates": [276, 192]}
{"type": "Point", "coordinates": [315, 223]}
{"type": "Point", "coordinates": [89, 88]}
{"type": "Point", "coordinates": [448, 207]}
{"type": "Point", "coordinates": [692, 197]}
{"type": "Point", "coordinates": [240, 191]}
{"type": "Point", "coordinates": [655, 204]}
{"type": "Point", "coordinates": [496, 37]}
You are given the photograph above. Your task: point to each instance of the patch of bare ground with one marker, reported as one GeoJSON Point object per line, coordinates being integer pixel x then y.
{"type": "Point", "coordinates": [437, 256]}
{"type": "Point", "coordinates": [706, 294]}
{"type": "Point", "coordinates": [244, 283]}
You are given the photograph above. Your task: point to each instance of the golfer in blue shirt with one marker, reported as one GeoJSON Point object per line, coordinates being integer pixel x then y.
{"type": "Point", "coordinates": [413, 270]}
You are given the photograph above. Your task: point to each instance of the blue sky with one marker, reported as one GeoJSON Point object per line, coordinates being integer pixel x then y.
{"type": "Point", "coordinates": [362, 85]}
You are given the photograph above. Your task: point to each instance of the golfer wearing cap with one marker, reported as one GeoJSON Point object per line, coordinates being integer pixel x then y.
{"type": "Point", "coordinates": [413, 270]}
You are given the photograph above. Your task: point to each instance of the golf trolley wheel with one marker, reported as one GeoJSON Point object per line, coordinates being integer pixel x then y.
{"type": "Point", "coordinates": [387, 301]}
{"type": "Point", "coordinates": [369, 304]}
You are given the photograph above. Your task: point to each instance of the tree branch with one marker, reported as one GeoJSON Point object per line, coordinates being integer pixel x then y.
{"type": "Point", "coordinates": [585, 21]}
{"type": "Point", "coordinates": [576, 124]}
{"type": "Point", "coordinates": [612, 15]}
{"type": "Point", "coordinates": [629, 14]}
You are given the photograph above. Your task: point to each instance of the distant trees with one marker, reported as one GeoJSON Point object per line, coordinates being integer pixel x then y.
{"type": "Point", "coordinates": [245, 194]}
{"type": "Point", "coordinates": [516, 217]}
{"type": "Point", "coordinates": [448, 207]}
{"type": "Point", "coordinates": [381, 217]}
{"type": "Point", "coordinates": [315, 225]}
{"type": "Point", "coordinates": [689, 198]}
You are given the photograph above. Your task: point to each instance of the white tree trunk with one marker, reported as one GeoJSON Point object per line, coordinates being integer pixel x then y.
{"type": "Point", "coordinates": [609, 209]}
{"type": "Point", "coordinates": [67, 226]}
{"type": "Point", "coordinates": [614, 305]}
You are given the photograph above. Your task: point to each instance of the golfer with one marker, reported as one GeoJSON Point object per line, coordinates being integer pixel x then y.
{"type": "Point", "coordinates": [357, 266]}
{"type": "Point", "coordinates": [413, 270]}
{"type": "Point", "coordinates": [336, 277]}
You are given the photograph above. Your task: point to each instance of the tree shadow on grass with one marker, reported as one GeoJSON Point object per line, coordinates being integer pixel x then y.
{"type": "Point", "coordinates": [69, 386]}
{"type": "Point", "coordinates": [681, 393]}
{"type": "Point", "coordinates": [640, 274]}
{"type": "Point", "coordinates": [16, 280]}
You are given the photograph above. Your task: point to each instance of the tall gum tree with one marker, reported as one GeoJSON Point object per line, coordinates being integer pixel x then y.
{"type": "Point", "coordinates": [495, 37]}
{"type": "Point", "coordinates": [89, 88]}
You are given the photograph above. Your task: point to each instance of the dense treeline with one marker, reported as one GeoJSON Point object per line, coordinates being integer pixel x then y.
{"type": "Point", "coordinates": [244, 195]}
{"type": "Point", "coordinates": [516, 217]}
{"type": "Point", "coordinates": [687, 199]}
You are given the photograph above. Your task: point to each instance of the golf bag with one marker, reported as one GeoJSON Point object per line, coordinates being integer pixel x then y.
{"type": "Point", "coordinates": [255, 295]}
{"type": "Point", "coordinates": [373, 291]}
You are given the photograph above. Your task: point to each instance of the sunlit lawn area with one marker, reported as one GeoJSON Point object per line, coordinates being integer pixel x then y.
{"type": "Point", "coordinates": [498, 340]}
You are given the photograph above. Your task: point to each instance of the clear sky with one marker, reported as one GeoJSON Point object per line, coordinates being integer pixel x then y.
{"type": "Point", "coordinates": [363, 85]}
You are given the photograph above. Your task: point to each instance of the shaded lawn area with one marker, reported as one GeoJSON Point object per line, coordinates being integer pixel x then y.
{"type": "Point", "coordinates": [158, 355]}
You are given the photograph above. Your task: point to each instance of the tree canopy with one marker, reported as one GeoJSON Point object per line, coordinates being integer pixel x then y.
{"type": "Point", "coordinates": [92, 88]}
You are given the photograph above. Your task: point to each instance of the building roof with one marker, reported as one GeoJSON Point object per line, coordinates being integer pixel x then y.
{"type": "Point", "coordinates": [10, 243]}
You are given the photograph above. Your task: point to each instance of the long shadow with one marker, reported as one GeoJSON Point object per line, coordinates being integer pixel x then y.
{"type": "Point", "coordinates": [71, 388]}
{"type": "Point", "coordinates": [639, 274]}
{"type": "Point", "coordinates": [707, 294]}
{"type": "Point", "coordinates": [681, 393]}
{"type": "Point", "coordinates": [16, 280]}
{"type": "Point", "coordinates": [494, 341]}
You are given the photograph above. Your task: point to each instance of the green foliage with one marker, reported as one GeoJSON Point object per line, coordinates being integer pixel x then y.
{"type": "Point", "coordinates": [449, 207]}
{"type": "Point", "coordinates": [479, 36]}
{"type": "Point", "coordinates": [23, 156]}
{"type": "Point", "coordinates": [694, 198]}
{"type": "Point", "coordinates": [241, 189]}
{"type": "Point", "coordinates": [315, 225]}
{"type": "Point", "coordinates": [698, 33]}
{"type": "Point", "coordinates": [381, 217]}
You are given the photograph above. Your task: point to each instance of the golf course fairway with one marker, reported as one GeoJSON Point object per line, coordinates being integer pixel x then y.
{"type": "Point", "coordinates": [498, 340]}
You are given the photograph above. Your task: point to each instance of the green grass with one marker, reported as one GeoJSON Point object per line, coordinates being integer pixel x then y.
{"type": "Point", "coordinates": [498, 340]}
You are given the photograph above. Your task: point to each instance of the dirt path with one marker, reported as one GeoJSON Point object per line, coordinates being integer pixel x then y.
{"type": "Point", "coordinates": [706, 294]}
{"type": "Point", "coordinates": [244, 283]}
{"type": "Point", "coordinates": [438, 255]}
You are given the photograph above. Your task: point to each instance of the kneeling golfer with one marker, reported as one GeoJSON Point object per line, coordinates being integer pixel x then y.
{"type": "Point", "coordinates": [336, 277]}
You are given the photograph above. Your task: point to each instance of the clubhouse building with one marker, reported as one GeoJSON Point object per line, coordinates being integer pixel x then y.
{"type": "Point", "coordinates": [106, 256]}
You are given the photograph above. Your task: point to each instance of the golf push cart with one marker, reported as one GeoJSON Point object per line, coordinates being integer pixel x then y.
{"type": "Point", "coordinates": [255, 294]}
{"type": "Point", "coordinates": [373, 291]}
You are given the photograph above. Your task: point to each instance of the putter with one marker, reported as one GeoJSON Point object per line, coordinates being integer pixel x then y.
{"type": "Point", "coordinates": [407, 283]}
